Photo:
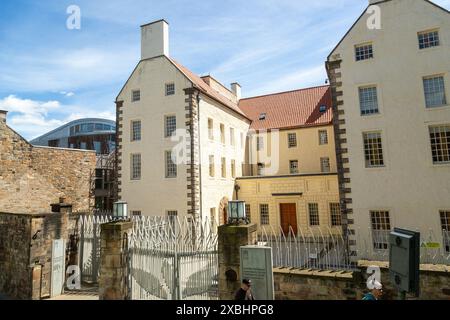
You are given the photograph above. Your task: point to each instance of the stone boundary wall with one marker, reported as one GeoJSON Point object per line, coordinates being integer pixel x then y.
{"type": "Point", "coordinates": [32, 178]}
{"type": "Point", "coordinates": [297, 284]}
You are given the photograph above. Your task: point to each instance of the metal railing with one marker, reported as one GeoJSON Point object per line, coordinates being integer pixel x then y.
{"type": "Point", "coordinates": [433, 249]}
{"type": "Point", "coordinates": [173, 259]}
{"type": "Point", "coordinates": [308, 249]}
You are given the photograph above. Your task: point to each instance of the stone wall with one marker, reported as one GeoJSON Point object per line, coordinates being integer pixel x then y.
{"type": "Point", "coordinates": [291, 284]}
{"type": "Point", "coordinates": [26, 252]}
{"type": "Point", "coordinates": [42, 176]}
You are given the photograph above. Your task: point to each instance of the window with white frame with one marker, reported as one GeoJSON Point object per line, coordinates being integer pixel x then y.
{"type": "Point", "coordinates": [313, 210]}
{"type": "Point", "coordinates": [232, 137]}
{"type": "Point", "coordinates": [325, 165]}
{"type": "Point", "coordinates": [434, 88]}
{"type": "Point", "coordinates": [323, 137]}
{"type": "Point", "coordinates": [233, 168]}
{"type": "Point", "coordinates": [368, 100]}
{"type": "Point", "coordinates": [224, 167]}
{"type": "Point", "coordinates": [136, 130]}
{"type": "Point", "coordinates": [211, 129]}
{"type": "Point", "coordinates": [259, 143]}
{"type": "Point", "coordinates": [171, 125]}
{"type": "Point", "coordinates": [171, 167]}
{"type": "Point", "coordinates": [428, 39]}
{"type": "Point", "coordinates": [135, 95]}
{"type": "Point", "coordinates": [445, 226]}
{"type": "Point", "coordinates": [293, 166]}
{"type": "Point", "coordinates": [248, 212]}
{"type": "Point", "coordinates": [440, 143]}
{"type": "Point", "coordinates": [373, 149]}
{"type": "Point", "coordinates": [292, 140]}
{"type": "Point", "coordinates": [211, 166]}
{"type": "Point", "coordinates": [136, 166]}
{"type": "Point", "coordinates": [381, 228]}
{"type": "Point", "coordinates": [170, 89]}
{"type": "Point", "coordinates": [264, 214]}
{"type": "Point", "coordinates": [335, 214]}
{"type": "Point", "coordinates": [364, 52]}
{"type": "Point", "coordinates": [222, 133]}
{"type": "Point", "coordinates": [261, 169]}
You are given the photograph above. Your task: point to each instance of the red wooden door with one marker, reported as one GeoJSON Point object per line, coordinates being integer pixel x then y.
{"type": "Point", "coordinates": [288, 215]}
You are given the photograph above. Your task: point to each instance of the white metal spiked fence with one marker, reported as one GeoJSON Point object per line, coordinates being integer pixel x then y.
{"type": "Point", "coordinates": [309, 249]}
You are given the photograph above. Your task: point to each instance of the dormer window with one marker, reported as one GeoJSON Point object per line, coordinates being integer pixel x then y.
{"type": "Point", "coordinates": [323, 109]}
{"type": "Point", "coordinates": [262, 116]}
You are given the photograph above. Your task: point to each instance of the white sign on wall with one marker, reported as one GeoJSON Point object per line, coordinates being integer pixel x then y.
{"type": "Point", "coordinates": [58, 266]}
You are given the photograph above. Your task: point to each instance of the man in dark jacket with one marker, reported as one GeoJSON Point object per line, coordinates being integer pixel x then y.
{"type": "Point", "coordinates": [245, 291]}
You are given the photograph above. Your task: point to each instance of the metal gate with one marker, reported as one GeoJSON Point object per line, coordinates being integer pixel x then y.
{"type": "Point", "coordinates": [172, 259]}
{"type": "Point", "coordinates": [90, 245]}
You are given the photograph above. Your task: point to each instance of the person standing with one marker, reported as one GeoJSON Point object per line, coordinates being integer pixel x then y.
{"type": "Point", "coordinates": [376, 293]}
{"type": "Point", "coordinates": [245, 291]}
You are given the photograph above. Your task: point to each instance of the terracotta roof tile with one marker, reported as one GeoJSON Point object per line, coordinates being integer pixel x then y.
{"type": "Point", "coordinates": [206, 89]}
{"type": "Point", "coordinates": [299, 108]}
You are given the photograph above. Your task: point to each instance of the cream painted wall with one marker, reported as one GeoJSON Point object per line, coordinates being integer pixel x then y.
{"type": "Point", "coordinates": [321, 189]}
{"type": "Point", "coordinates": [153, 194]}
{"type": "Point", "coordinates": [308, 151]}
{"type": "Point", "coordinates": [214, 189]}
{"type": "Point", "coordinates": [410, 186]}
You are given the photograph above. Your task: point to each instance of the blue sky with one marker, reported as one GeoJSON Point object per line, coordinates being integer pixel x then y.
{"type": "Point", "coordinates": [50, 75]}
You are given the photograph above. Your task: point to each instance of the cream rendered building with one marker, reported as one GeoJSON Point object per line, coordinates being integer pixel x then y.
{"type": "Point", "coordinates": [392, 117]}
{"type": "Point", "coordinates": [162, 96]}
{"type": "Point", "coordinates": [219, 156]}
{"type": "Point", "coordinates": [291, 182]}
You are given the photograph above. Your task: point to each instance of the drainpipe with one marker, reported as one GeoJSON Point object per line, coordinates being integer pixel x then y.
{"type": "Point", "coordinates": [200, 155]}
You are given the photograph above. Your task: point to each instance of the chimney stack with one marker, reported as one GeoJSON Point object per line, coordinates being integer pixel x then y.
{"type": "Point", "coordinates": [3, 114]}
{"type": "Point", "coordinates": [236, 88]}
{"type": "Point", "coordinates": [154, 39]}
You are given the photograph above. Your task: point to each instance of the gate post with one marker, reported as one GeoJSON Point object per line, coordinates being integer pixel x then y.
{"type": "Point", "coordinates": [231, 239]}
{"type": "Point", "coordinates": [113, 284]}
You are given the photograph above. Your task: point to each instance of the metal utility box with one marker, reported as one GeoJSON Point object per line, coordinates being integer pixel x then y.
{"type": "Point", "coordinates": [256, 265]}
{"type": "Point", "coordinates": [404, 260]}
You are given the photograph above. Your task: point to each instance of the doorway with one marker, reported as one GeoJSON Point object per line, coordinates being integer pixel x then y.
{"type": "Point", "coordinates": [288, 217]}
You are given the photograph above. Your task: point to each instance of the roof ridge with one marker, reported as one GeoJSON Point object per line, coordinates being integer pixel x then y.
{"type": "Point", "coordinates": [284, 92]}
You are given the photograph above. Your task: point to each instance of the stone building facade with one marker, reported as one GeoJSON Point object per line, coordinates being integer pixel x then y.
{"type": "Point", "coordinates": [32, 178]}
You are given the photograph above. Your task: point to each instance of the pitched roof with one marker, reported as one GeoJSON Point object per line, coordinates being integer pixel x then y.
{"type": "Point", "coordinates": [206, 89]}
{"type": "Point", "coordinates": [299, 108]}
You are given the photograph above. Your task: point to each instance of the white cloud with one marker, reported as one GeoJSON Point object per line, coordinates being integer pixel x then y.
{"type": "Point", "coordinates": [67, 94]}
{"type": "Point", "coordinates": [33, 118]}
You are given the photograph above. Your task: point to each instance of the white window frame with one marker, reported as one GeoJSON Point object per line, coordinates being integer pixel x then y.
{"type": "Point", "coordinates": [170, 89]}
{"type": "Point", "coordinates": [136, 166]}
{"type": "Point", "coordinates": [169, 126]}
{"type": "Point", "coordinates": [136, 95]}
{"type": "Point", "coordinates": [171, 168]}
{"type": "Point", "coordinates": [136, 135]}
{"type": "Point", "coordinates": [292, 140]}
{"type": "Point", "coordinates": [293, 167]}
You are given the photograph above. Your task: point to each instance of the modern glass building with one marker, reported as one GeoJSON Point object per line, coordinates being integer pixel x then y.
{"type": "Point", "coordinates": [86, 134]}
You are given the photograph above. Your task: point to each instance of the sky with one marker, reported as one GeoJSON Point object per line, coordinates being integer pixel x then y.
{"type": "Point", "coordinates": [50, 75]}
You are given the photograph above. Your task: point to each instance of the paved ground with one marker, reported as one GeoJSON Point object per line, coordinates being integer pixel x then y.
{"type": "Point", "coordinates": [86, 293]}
